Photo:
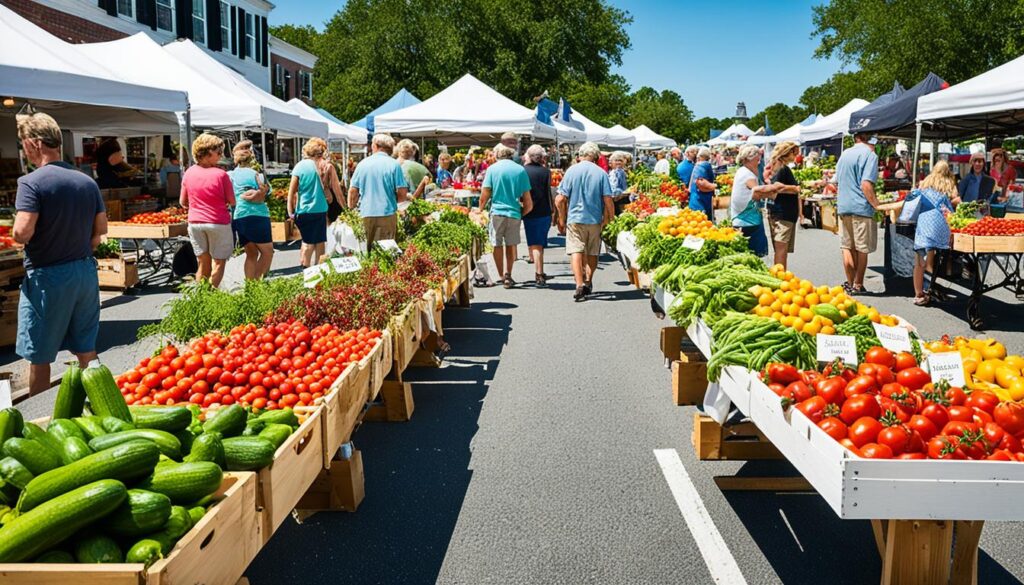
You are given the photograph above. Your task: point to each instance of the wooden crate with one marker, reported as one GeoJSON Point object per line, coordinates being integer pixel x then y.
{"type": "Point", "coordinates": [395, 404]}
{"type": "Point", "coordinates": [675, 343]}
{"type": "Point", "coordinates": [115, 209]}
{"type": "Point", "coordinates": [8, 329]}
{"type": "Point", "coordinates": [988, 244]}
{"type": "Point", "coordinates": [284, 231]}
{"type": "Point", "coordinates": [829, 219]}
{"type": "Point", "coordinates": [433, 305]}
{"type": "Point", "coordinates": [297, 463]}
{"type": "Point", "coordinates": [381, 362]}
{"type": "Point", "coordinates": [644, 280]}
{"type": "Point", "coordinates": [12, 271]}
{"type": "Point", "coordinates": [340, 488]}
{"type": "Point", "coordinates": [741, 441]}
{"type": "Point", "coordinates": [407, 331]}
{"type": "Point", "coordinates": [218, 549]}
{"type": "Point", "coordinates": [689, 379]}
{"type": "Point", "coordinates": [116, 229]}
{"type": "Point", "coordinates": [341, 409]}
{"type": "Point", "coordinates": [117, 273]}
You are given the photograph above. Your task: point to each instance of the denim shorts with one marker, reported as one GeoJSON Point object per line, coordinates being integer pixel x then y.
{"type": "Point", "coordinates": [536, 229]}
{"type": "Point", "coordinates": [312, 227]}
{"type": "Point", "coordinates": [59, 309]}
{"type": "Point", "coordinates": [253, 229]}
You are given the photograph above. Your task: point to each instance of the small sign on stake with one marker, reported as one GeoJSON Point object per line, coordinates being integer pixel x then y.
{"type": "Point", "coordinates": [390, 246]}
{"type": "Point", "coordinates": [893, 338]}
{"type": "Point", "coordinates": [831, 347]}
{"type": "Point", "coordinates": [693, 242]}
{"type": "Point", "coordinates": [346, 264]}
{"type": "Point", "coordinates": [948, 366]}
{"type": "Point", "coordinates": [313, 275]}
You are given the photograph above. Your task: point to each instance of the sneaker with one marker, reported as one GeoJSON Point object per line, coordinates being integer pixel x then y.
{"type": "Point", "coordinates": [580, 295]}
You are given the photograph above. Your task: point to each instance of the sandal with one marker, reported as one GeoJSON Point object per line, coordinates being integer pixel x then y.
{"type": "Point", "coordinates": [541, 280]}
{"type": "Point", "coordinates": [588, 287]}
{"type": "Point", "coordinates": [508, 282]}
{"type": "Point", "coordinates": [580, 295]}
{"type": "Point", "coordinates": [922, 301]}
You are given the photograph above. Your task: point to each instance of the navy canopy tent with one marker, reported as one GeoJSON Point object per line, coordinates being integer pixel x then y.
{"type": "Point", "coordinates": [401, 100]}
{"type": "Point", "coordinates": [895, 118]}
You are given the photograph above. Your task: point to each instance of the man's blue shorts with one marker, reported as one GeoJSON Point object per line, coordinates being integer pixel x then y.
{"type": "Point", "coordinates": [59, 309]}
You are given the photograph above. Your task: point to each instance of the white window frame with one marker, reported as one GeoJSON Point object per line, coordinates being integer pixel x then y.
{"type": "Point", "coordinates": [199, 19]}
{"type": "Point", "coordinates": [169, 6]}
{"type": "Point", "coordinates": [250, 36]}
{"type": "Point", "coordinates": [225, 26]}
{"type": "Point", "coordinates": [122, 14]}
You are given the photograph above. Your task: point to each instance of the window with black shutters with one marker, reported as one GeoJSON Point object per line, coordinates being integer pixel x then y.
{"type": "Point", "coordinates": [165, 15]}
{"type": "Point", "coordinates": [126, 8]}
{"type": "Point", "coordinates": [225, 25]}
{"type": "Point", "coordinates": [250, 37]}
{"type": "Point", "coordinates": [199, 22]}
{"type": "Point", "coordinates": [305, 85]}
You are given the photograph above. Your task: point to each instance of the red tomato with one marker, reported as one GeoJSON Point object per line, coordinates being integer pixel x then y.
{"type": "Point", "coordinates": [881, 356]}
{"type": "Point", "coordinates": [982, 399]}
{"type": "Point", "coordinates": [944, 447]}
{"type": "Point", "coordinates": [861, 405]}
{"type": "Point", "coordinates": [957, 428]}
{"type": "Point", "coordinates": [905, 360]}
{"type": "Point", "coordinates": [1010, 443]}
{"type": "Point", "coordinates": [961, 413]}
{"type": "Point", "coordinates": [831, 389]}
{"type": "Point", "coordinates": [849, 445]}
{"type": "Point", "coordinates": [936, 413]}
{"type": "Point", "coordinates": [876, 451]}
{"type": "Point", "coordinates": [913, 378]}
{"type": "Point", "coordinates": [812, 408]}
{"type": "Point", "coordinates": [914, 455]}
{"type": "Point", "coordinates": [1010, 416]}
{"type": "Point", "coordinates": [864, 430]}
{"type": "Point", "coordinates": [895, 437]}
{"type": "Point", "coordinates": [924, 426]}
{"type": "Point", "coordinates": [861, 385]}
{"type": "Point", "coordinates": [835, 427]}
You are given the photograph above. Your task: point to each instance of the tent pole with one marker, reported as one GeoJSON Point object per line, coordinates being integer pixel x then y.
{"type": "Point", "coordinates": [187, 147]}
{"type": "Point", "coordinates": [263, 149]}
{"type": "Point", "coordinates": [916, 155]}
{"type": "Point", "coordinates": [931, 157]}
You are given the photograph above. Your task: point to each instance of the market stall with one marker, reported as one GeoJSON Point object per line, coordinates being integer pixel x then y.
{"type": "Point", "coordinates": [834, 125]}
{"type": "Point", "coordinates": [647, 139]}
{"type": "Point", "coordinates": [401, 100]}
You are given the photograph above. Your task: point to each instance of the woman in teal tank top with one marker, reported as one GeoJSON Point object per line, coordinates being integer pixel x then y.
{"type": "Point", "coordinates": [252, 217]}
{"type": "Point", "coordinates": [307, 202]}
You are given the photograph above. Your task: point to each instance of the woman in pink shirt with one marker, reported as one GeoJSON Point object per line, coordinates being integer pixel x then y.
{"type": "Point", "coordinates": [207, 192]}
{"type": "Point", "coordinates": [1001, 171]}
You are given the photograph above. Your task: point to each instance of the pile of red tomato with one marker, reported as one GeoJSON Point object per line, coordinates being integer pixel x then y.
{"type": "Point", "coordinates": [268, 367]}
{"type": "Point", "coordinates": [994, 226]}
{"type": "Point", "coordinates": [888, 408]}
{"type": "Point", "coordinates": [154, 218]}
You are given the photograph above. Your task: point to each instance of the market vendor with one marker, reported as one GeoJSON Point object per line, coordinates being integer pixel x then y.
{"type": "Point", "coordinates": [377, 186]}
{"type": "Point", "coordinates": [417, 176]}
{"type": "Point", "coordinates": [444, 176]}
{"type": "Point", "coordinates": [977, 185]}
{"type": "Point", "coordinates": [617, 178]}
{"type": "Point", "coordinates": [111, 168]}
{"type": "Point", "coordinates": [60, 219]}
{"type": "Point", "coordinates": [702, 184]}
{"type": "Point", "coordinates": [1002, 171]}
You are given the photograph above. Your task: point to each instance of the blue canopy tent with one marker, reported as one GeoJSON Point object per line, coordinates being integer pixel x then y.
{"type": "Point", "coordinates": [895, 118]}
{"type": "Point", "coordinates": [401, 100]}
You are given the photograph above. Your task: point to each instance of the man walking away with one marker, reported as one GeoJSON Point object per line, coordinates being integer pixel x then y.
{"type": "Point", "coordinates": [856, 172]}
{"type": "Point", "coordinates": [60, 220]}
{"type": "Point", "coordinates": [585, 204]}
{"type": "Point", "coordinates": [377, 186]}
{"type": "Point", "coordinates": [507, 188]}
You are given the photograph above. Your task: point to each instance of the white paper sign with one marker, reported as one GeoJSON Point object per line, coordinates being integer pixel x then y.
{"type": "Point", "coordinates": [893, 338]}
{"type": "Point", "coordinates": [389, 246]}
{"type": "Point", "coordinates": [346, 264]}
{"type": "Point", "coordinates": [5, 394]}
{"type": "Point", "coordinates": [948, 366]}
{"type": "Point", "coordinates": [831, 347]}
{"type": "Point", "coordinates": [693, 242]}
{"type": "Point", "coordinates": [313, 275]}
{"type": "Point", "coordinates": [666, 211]}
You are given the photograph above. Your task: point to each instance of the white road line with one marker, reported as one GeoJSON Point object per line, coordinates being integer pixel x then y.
{"type": "Point", "coordinates": [719, 560]}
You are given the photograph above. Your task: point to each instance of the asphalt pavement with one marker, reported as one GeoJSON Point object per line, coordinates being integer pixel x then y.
{"type": "Point", "coordinates": [531, 454]}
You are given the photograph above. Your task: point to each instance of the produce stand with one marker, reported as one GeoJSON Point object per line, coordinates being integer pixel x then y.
{"type": "Point", "coordinates": [982, 252]}
{"type": "Point", "coordinates": [167, 237]}
{"type": "Point", "coordinates": [297, 463]}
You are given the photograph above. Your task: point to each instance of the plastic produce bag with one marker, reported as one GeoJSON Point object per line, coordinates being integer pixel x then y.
{"type": "Point", "coordinates": [717, 403]}
{"type": "Point", "coordinates": [902, 254]}
{"type": "Point", "coordinates": [344, 238]}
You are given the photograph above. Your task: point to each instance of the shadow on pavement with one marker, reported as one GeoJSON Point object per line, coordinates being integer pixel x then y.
{"type": "Point", "coordinates": [417, 474]}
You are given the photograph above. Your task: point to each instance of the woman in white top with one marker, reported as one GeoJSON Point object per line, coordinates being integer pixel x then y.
{"type": "Point", "coordinates": [746, 215]}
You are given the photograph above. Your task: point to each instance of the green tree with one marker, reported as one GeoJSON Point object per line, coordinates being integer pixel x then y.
{"type": "Point", "coordinates": [304, 37]}
{"type": "Point", "coordinates": [663, 112]}
{"type": "Point", "coordinates": [780, 116]}
{"type": "Point", "coordinates": [700, 129]}
{"type": "Point", "coordinates": [605, 103]}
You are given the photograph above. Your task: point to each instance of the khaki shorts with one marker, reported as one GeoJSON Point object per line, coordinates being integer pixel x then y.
{"type": "Point", "coordinates": [504, 230]}
{"type": "Point", "coordinates": [583, 238]}
{"type": "Point", "coordinates": [858, 233]}
{"type": "Point", "coordinates": [783, 231]}
{"type": "Point", "coordinates": [214, 239]}
{"type": "Point", "coordinates": [380, 228]}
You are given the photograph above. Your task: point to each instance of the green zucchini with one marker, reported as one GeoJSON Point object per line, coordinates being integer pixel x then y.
{"type": "Point", "coordinates": [55, 556]}
{"type": "Point", "coordinates": [55, 520]}
{"type": "Point", "coordinates": [186, 437]}
{"type": "Point", "coordinates": [248, 453]}
{"type": "Point", "coordinates": [196, 513]}
{"type": "Point", "coordinates": [36, 433]}
{"type": "Point", "coordinates": [14, 473]}
{"type": "Point", "coordinates": [284, 416]}
{"type": "Point", "coordinates": [62, 428]}
{"type": "Point", "coordinates": [186, 482]}
{"type": "Point", "coordinates": [229, 421]}
{"type": "Point", "coordinates": [37, 457]}
{"type": "Point", "coordinates": [166, 442]}
{"type": "Point", "coordinates": [105, 398]}
{"type": "Point", "coordinates": [71, 395]}
{"type": "Point", "coordinates": [91, 426]}
{"type": "Point", "coordinates": [276, 434]}
{"type": "Point", "coordinates": [96, 548]}
{"type": "Point", "coordinates": [141, 513]}
{"type": "Point", "coordinates": [112, 424]}
{"type": "Point", "coordinates": [163, 418]}
{"type": "Point", "coordinates": [11, 423]}
{"type": "Point", "coordinates": [123, 462]}
{"type": "Point", "coordinates": [73, 449]}
{"type": "Point", "coordinates": [208, 447]}
{"type": "Point", "coordinates": [146, 551]}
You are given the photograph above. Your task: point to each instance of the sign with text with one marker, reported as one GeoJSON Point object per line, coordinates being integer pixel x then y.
{"type": "Point", "coordinates": [693, 242]}
{"type": "Point", "coordinates": [666, 211]}
{"type": "Point", "coordinates": [893, 338]}
{"type": "Point", "coordinates": [389, 246]}
{"type": "Point", "coordinates": [948, 366]}
{"type": "Point", "coordinates": [831, 347]}
{"type": "Point", "coordinates": [346, 264]}
{"type": "Point", "coordinates": [313, 275]}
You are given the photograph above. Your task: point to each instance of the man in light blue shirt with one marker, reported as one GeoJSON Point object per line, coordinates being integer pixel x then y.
{"type": "Point", "coordinates": [584, 203]}
{"type": "Point", "coordinates": [172, 166]}
{"type": "Point", "coordinates": [507, 188]}
{"type": "Point", "coordinates": [856, 172]}
{"type": "Point", "coordinates": [685, 168]}
{"type": "Point", "coordinates": [378, 184]}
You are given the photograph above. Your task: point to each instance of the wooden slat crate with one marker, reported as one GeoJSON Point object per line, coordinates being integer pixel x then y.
{"type": "Point", "coordinates": [689, 379]}
{"type": "Point", "coordinates": [381, 361]}
{"type": "Point", "coordinates": [117, 273]}
{"type": "Point", "coordinates": [297, 463]}
{"type": "Point", "coordinates": [741, 441]}
{"type": "Point", "coordinates": [116, 229]}
{"type": "Point", "coordinates": [340, 488]}
{"type": "Point", "coordinates": [407, 332]}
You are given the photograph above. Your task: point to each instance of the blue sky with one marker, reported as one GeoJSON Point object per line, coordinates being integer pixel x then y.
{"type": "Point", "coordinates": [713, 54]}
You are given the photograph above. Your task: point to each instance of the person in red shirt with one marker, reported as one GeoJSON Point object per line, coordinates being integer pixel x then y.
{"type": "Point", "coordinates": [1001, 170]}
{"type": "Point", "coordinates": [603, 162]}
{"type": "Point", "coordinates": [207, 193]}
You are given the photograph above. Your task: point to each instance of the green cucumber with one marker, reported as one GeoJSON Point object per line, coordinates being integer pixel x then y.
{"type": "Point", "coordinates": [208, 447]}
{"type": "Point", "coordinates": [62, 428]}
{"type": "Point", "coordinates": [146, 551]}
{"type": "Point", "coordinates": [196, 513]}
{"type": "Point", "coordinates": [186, 437]}
{"type": "Point", "coordinates": [166, 442]}
{"type": "Point", "coordinates": [73, 449]}
{"type": "Point", "coordinates": [143, 512]}
{"type": "Point", "coordinates": [91, 426]}
{"type": "Point", "coordinates": [112, 424]}
{"type": "Point", "coordinates": [284, 416]}
{"type": "Point", "coordinates": [14, 473]}
{"type": "Point", "coordinates": [276, 434]}
{"type": "Point", "coordinates": [36, 433]}
{"type": "Point", "coordinates": [105, 398]}
{"type": "Point", "coordinates": [186, 482]}
{"type": "Point", "coordinates": [96, 548]}
{"type": "Point", "coordinates": [178, 523]}
{"type": "Point", "coordinates": [124, 462]}
{"type": "Point", "coordinates": [248, 453]}
{"type": "Point", "coordinates": [55, 556]}
{"type": "Point", "coordinates": [229, 421]}
{"type": "Point", "coordinates": [37, 457]}
{"type": "Point", "coordinates": [162, 418]}
{"type": "Point", "coordinates": [55, 520]}
{"type": "Point", "coordinates": [71, 395]}
{"type": "Point", "coordinates": [253, 428]}
{"type": "Point", "coordinates": [11, 423]}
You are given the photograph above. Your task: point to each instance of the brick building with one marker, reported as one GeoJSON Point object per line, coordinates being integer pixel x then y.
{"type": "Point", "coordinates": [291, 71]}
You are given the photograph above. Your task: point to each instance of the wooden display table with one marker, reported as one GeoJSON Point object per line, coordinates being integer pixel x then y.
{"type": "Point", "coordinates": [981, 253]}
{"type": "Point", "coordinates": [166, 237]}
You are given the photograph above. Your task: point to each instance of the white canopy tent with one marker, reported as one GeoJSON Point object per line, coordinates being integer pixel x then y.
{"type": "Point", "coordinates": [275, 114]}
{"type": "Point", "coordinates": [649, 139]}
{"type": "Point", "coordinates": [833, 125]}
{"type": "Point", "coordinates": [620, 137]}
{"type": "Point", "coordinates": [567, 133]}
{"type": "Point", "coordinates": [734, 132]}
{"type": "Point", "coordinates": [344, 132]}
{"type": "Point", "coordinates": [992, 102]}
{"type": "Point", "coordinates": [594, 131]}
{"type": "Point", "coordinates": [81, 93]}
{"type": "Point", "coordinates": [467, 109]}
